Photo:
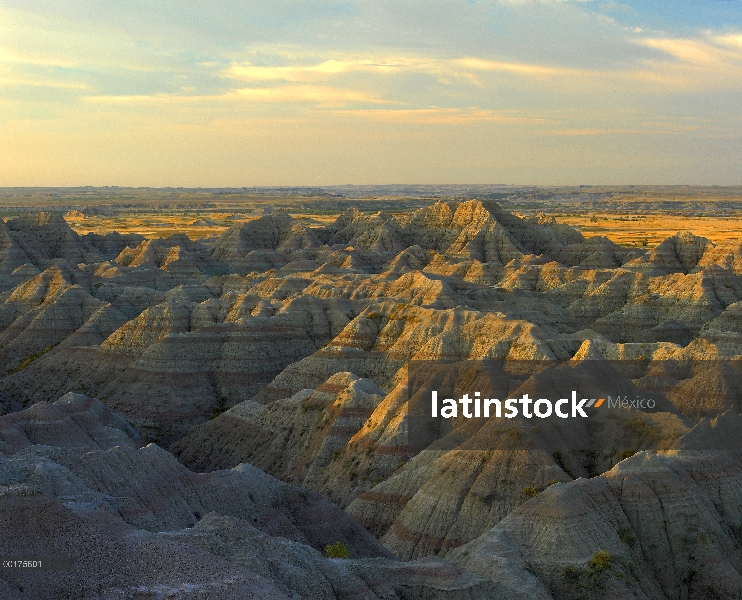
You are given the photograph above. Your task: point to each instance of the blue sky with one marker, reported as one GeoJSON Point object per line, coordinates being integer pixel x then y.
{"type": "Point", "coordinates": [411, 91]}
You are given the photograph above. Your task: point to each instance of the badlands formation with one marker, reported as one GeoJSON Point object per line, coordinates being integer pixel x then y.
{"type": "Point", "coordinates": [201, 419]}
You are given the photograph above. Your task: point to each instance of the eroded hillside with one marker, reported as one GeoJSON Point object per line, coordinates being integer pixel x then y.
{"type": "Point", "coordinates": [287, 346]}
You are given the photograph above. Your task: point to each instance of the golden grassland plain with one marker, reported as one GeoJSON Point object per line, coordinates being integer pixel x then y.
{"type": "Point", "coordinates": [626, 230]}
{"type": "Point", "coordinates": [161, 224]}
{"type": "Point", "coordinates": [658, 214]}
{"type": "Point", "coordinates": [631, 215]}
{"type": "Point", "coordinates": [650, 230]}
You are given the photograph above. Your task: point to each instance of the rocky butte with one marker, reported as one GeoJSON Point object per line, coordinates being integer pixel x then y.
{"type": "Point", "coordinates": [203, 418]}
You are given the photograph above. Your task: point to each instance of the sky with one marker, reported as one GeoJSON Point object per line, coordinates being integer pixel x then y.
{"type": "Point", "coordinates": [306, 92]}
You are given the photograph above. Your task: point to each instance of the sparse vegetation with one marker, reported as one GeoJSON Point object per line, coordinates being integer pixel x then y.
{"type": "Point", "coordinates": [32, 357]}
{"type": "Point", "coordinates": [514, 433]}
{"type": "Point", "coordinates": [626, 537]}
{"type": "Point", "coordinates": [571, 575]}
{"type": "Point", "coordinates": [337, 550]}
{"type": "Point", "coordinates": [600, 561]}
{"type": "Point", "coordinates": [219, 407]}
{"type": "Point", "coordinates": [585, 583]}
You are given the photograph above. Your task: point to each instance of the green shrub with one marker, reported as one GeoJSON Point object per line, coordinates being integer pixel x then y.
{"type": "Point", "coordinates": [514, 433]}
{"type": "Point", "coordinates": [32, 357]}
{"type": "Point", "coordinates": [337, 550]}
{"type": "Point", "coordinates": [600, 561]}
{"type": "Point", "coordinates": [571, 575]}
{"type": "Point", "coordinates": [626, 537]}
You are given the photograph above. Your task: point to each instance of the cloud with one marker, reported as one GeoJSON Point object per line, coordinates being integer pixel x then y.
{"type": "Point", "coordinates": [318, 95]}
{"type": "Point", "coordinates": [9, 57]}
{"type": "Point", "coordinates": [690, 51]}
{"type": "Point", "coordinates": [636, 131]}
{"type": "Point", "coordinates": [24, 82]}
{"type": "Point", "coordinates": [297, 73]}
{"type": "Point", "coordinates": [703, 63]}
{"type": "Point", "coordinates": [155, 98]}
{"type": "Point", "coordinates": [398, 65]}
{"type": "Point", "coordinates": [479, 64]}
{"type": "Point", "coordinates": [442, 116]}
{"type": "Point", "coordinates": [678, 65]}
{"type": "Point", "coordinates": [675, 64]}
{"type": "Point", "coordinates": [730, 40]}
{"type": "Point", "coordinates": [325, 96]}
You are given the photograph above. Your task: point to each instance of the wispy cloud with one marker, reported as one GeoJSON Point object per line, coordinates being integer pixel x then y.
{"type": "Point", "coordinates": [49, 83]}
{"type": "Point", "coordinates": [635, 131]}
{"type": "Point", "coordinates": [162, 99]}
{"type": "Point", "coordinates": [318, 95]}
{"type": "Point", "coordinates": [325, 96]}
{"type": "Point", "coordinates": [10, 57]}
{"type": "Point", "coordinates": [442, 116]}
{"type": "Point", "coordinates": [530, 70]}
{"type": "Point", "coordinates": [324, 69]}
{"type": "Point", "coordinates": [707, 62]}
{"type": "Point", "coordinates": [297, 73]}
{"type": "Point", "coordinates": [730, 40]}
{"type": "Point", "coordinates": [680, 65]}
